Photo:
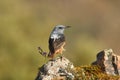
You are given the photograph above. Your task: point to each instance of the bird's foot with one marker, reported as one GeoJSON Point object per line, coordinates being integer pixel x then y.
{"type": "Point", "coordinates": [61, 57]}
{"type": "Point", "coordinates": [52, 61]}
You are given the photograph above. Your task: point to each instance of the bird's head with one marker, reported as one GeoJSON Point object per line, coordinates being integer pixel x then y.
{"type": "Point", "coordinates": [60, 29]}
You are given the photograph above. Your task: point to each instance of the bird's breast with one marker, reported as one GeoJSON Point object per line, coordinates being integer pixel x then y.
{"type": "Point", "coordinates": [55, 36]}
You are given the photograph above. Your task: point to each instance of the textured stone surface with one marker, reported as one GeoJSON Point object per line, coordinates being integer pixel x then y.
{"type": "Point", "coordinates": [57, 69]}
{"type": "Point", "coordinates": [62, 69]}
{"type": "Point", "coordinates": [108, 61]}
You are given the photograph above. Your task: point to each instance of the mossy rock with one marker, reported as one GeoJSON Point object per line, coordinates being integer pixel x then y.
{"type": "Point", "coordinates": [91, 72]}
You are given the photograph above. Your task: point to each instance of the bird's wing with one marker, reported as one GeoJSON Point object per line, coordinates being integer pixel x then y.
{"type": "Point", "coordinates": [55, 44]}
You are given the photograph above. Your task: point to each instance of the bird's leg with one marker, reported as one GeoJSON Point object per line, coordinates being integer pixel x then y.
{"type": "Point", "coordinates": [61, 56]}
{"type": "Point", "coordinates": [62, 49]}
{"type": "Point", "coordinates": [52, 59]}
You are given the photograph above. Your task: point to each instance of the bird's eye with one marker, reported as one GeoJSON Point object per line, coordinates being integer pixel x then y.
{"type": "Point", "coordinates": [60, 27]}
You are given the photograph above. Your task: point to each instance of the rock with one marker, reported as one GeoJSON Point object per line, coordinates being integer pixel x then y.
{"type": "Point", "coordinates": [108, 61]}
{"type": "Point", "coordinates": [57, 69]}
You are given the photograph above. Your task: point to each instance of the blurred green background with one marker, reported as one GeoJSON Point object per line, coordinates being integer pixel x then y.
{"type": "Point", "coordinates": [26, 24]}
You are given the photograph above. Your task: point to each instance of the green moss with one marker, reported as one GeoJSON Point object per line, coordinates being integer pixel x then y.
{"type": "Point", "coordinates": [92, 73]}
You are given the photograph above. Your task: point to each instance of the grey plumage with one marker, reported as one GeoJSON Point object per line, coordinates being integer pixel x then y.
{"type": "Point", "coordinates": [57, 40]}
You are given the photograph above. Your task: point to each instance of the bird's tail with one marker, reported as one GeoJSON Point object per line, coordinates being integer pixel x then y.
{"type": "Point", "coordinates": [50, 55]}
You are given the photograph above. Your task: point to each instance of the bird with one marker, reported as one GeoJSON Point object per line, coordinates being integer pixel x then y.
{"type": "Point", "coordinates": [57, 40]}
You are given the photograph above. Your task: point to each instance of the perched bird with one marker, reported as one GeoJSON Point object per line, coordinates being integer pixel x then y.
{"type": "Point", "coordinates": [57, 40]}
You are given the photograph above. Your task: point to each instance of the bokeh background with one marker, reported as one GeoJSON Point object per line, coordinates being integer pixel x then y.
{"type": "Point", "coordinates": [26, 24]}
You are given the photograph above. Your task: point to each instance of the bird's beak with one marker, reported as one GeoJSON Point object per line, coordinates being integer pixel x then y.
{"type": "Point", "coordinates": [67, 26]}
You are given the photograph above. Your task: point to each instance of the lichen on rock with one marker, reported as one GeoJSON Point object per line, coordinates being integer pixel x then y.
{"type": "Point", "coordinates": [57, 69]}
{"type": "Point", "coordinates": [106, 67]}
